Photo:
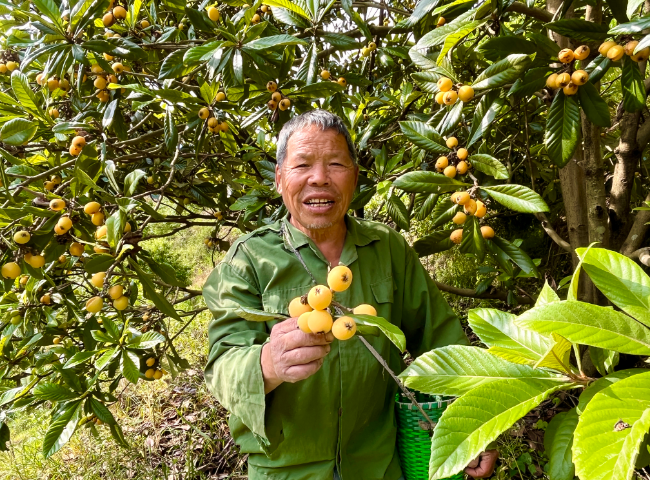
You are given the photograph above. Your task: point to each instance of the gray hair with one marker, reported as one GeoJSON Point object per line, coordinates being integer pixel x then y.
{"type": "Point", "coordinates": [322, 118]}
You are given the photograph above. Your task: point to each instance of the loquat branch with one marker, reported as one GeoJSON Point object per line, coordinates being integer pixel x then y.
{"type": "Point", "coordinates": [495, 295]}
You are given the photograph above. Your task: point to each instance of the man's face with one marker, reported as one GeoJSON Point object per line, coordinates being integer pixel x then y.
{"type": "Point", "coordinates": [318, 178]}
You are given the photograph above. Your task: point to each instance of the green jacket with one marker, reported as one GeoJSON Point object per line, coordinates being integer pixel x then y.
{"type": "Point", "coordinates": [343, 416]}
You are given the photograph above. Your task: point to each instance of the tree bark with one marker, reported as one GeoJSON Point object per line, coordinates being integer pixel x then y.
{"type": "Point", "coordinates": [636, 234]}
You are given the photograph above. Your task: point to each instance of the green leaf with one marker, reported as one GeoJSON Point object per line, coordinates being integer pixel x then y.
{"type": "Point", "coordinates": [558, 355]}
{"type": "Point", "coordinates": [562, 129]}
{"type": "Point", "coordinates": [518, 198]}
{"type": "Point", "coordinates": [454, 38]}
{"type": "Point", "coordinates": [391, 331]}
{"type": "Point", "coordinates": [398, 212]}
{"type": "Point", "coordinates": [515, 254]}
{"type": "Point", "coordinates": [444, 212]}
{"type": "Point", "coordinates": [598, 67]}
{"type": "Point", "coordinates": [596, 387]}
{"type": "Point", "coordinates": [604, 360]}
{"type": "Point", "coordinates": [130, 366]}
{"type": "Point", "coordinates": [451, 120]}
{"type": "Point", "coordinates": [115, 226]}
{"type": "Point", "coordinates": [172, 66]}
{"type": "Point", "coordinates": [637, 26]}
{"type": "Point", "coordinates": [498, 329]}
{"type": "Point", "coordinates": [476, 419]}
{"type": "Point", "coordinates": [171, 132]}
{"type": "Point", "coordinates": [63, 425]}
{"type": "Point", "coordinates": [341, 42]}
{"type": "Point", "coordinates": [546, 296]}
{"type": "Point", "coordinates": [644, 43]}
{"type": "Point", "coordinates": [79, 357]}
{"type": "Point", "coordinates": [254, 315]}
{"type": "Point", "coordinates": [427, 81]}
{"type": "Point", "coordinates": [575, 280]}
{"type": "Point", "coordinates": [594, 106]}
{"type": "Point", "coordinates": [290, 18]}
{"type": "Point", "coordinates": [291, 6]}
{"type": "Point", "coordinates": [99, 263]}
{"type": "Point", "coordinates": [438, 35]}
{"type": "Point", "coordinates": [616, 420]}
{"type": "Point", "coordinates": [533, 81]}
{"type": "Point", "coordinates": [620, 279]}
{"type": "Point", "coordinates": [146, 340]}
{"type": "Point", "coordinates": [472, 241]}
{"type": "Point", "coordinates": [484, 115]}
{"type": "Point", "coordinates": [53, 392]}
{"type": "Point", "coordinates": [589, 324]}
{"type": "Point", "coordinates": [266, 43]}
{"type": "Point", "coordinates": [24, 94]}
{"type": "Point", "coordinates": [427, 182]}
{"type": "Point", "coordinates": [457, 369]}
{"type": "Point", "coordinates": [558, 440]}
{"type": "Point", "coordinates": [424, 136]}
{"type": "Point", "coordinates": [502, 72]}
{"type": "Point", "coordinates": [18, 131]}
{"type": "Point", "coordinates": [581, 30]}
{"type": "Point", "coordinates": [100, 410]}
{"type": "Point", "coordinates": [632, 85]}
{"type": "Point", "coordinates": [131, 181]}
{"type": "Point", "coordinates": [489, 165]}
{"type": "Point", "coordinates": [347, 5]}
{"type": "Point", "coordinates": [434, 243]}
{"type": "Point", "coordinates": [150, 292]}
{"type": "Point", "coordinates": [499, 47]}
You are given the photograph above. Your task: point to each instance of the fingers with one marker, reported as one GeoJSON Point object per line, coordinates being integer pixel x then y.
{"type": "Point", "coordinates": [297, 339]}
{"type": "Point", "coordinates": [296, 373]}
{"type": "Point", "coordinates": [486, 465]}
{"type": "Point", "coordinates": [304, 355]}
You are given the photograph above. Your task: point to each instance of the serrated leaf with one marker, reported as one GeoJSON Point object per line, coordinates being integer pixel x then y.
{"type": "Point", "coordinates": [170, 131]}
{"type": "Point", "coordinates": [518, 198]}
{"type": "Point", "coordinates": [398, 212]}
{"type": "Point", "coordinates": [457, 369]}
{"type": "Point", "coordinates": [632, 85]}
{"type": "Point", "coordinates": [594, 106]}
{"type": "Point", "coordinates": [79, 357]}
{"type": "Point", "coordinates": [427, 81]}
{"type": "Point", "coordinates": [546, 296]}
{"type": "Point", "coordinates": [291, 6]}
{"type": "Point", "coordinates": [391, 331]}
{"type": "Point", "coordinates": [515, 254]}
{"type": "Point", "coordinates": [558, 440]}
{"type": "Point", "coordinates": [637, 26]}
{"type": "Point", "coordinates": [18, 131]}
{"type": "Point", "coordinates": [598, 67]}
{"type": "Point", "coordinates": [600, 384]}
{"type": "Point", "coordinates": [484, 115]}
{"type": "Point", "coordinates": [473, 421]}
{"type": "Point", "coordinates": [503, 72]}
{"type": "Point", "coordinates": [533, 81]}
{"type": "Point", "coordinates": [455, 37]}
{"type": "Point", "coordinates": [498, 47]}
{"type": "Point", "coordinates": [130, 366]}
{"type": "Point", "coordinates": [434, 243]}
{"type": "Point", "coordinates": [100, 411]}
{"type": "Point", "coordinates": [604, 423]}
{"type": "Point", "coordinates": [498, 329]}
{"type": "Point", "coordinates": [265, 43]}
{"type": "Point", "coordinates": [146, 340]}
{"type": "Point", "coordinates": [424, 136]}
{"type": "Point", "coordinates": [589, 324]}
{"type": "Point", "coordinates": [451, 120]}
{"type": "Point", "coordinates": [581, 30]}
{"type": "Point", "coordinates": [427, 182]}
{"type": "Point", "coordinates": [489, 165]}
{"type": "Point", "coordinates": [563, 129]}
{"type": "Point", "coordinates": [254, 315]}
{"type": "Point", "coordinates": [472, 241]}
{"type": "Point", "coordinates": [24, 94]}
{"type": "Point", "coordinates": [63, 425]}
{"type": "Point", "coordinates": [98, 263]}
{"type": "Point", "coordinates": [437, 36]}
{"type": "Point", "coordinates": [558, 355]}
{"type": "Point", "coordinates": [620, 279]}
{"type": "Point", "coordinates": [53, 392]}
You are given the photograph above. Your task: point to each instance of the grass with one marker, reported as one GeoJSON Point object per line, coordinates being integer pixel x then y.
{"type": "Point", "coordinates": [175, 427]}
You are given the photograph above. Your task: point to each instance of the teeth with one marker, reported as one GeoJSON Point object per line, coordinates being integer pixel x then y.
{"type": "Point", "coordinates": [319, 201]}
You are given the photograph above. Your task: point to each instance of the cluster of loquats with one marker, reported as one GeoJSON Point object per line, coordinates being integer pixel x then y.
{"type": "Point", "coordinates": [326, 75]}
{"type": "Point", "coordinates": [278, 100]}
{"type": "Point", "coordinates": [312, 310]}
{"type": "Point", "coordinates": [366, 51]}
{"type": "Point", "coordinates": [115, 293]}
{"type": "Point", "coordinates": [153, 372]}
{"type": "Point", "coordinates": [615, 52]}
{"type": "Point", "coordinates": [213, 124]}
{"type": "Point", "coordinates": [455, 163]}
{"type": "Point", "coordinates": [449, 94]}
{"type": "Point", "coordinates": [471, 207]}
{"type": "Point", "coordinates": [570, 80]}
{"type": "Point", "coordinates": [263, 10]}
{"type": "Point", "coordinates": [8, 62]}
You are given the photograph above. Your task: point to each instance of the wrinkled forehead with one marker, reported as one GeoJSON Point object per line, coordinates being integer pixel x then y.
{"type": "Point", "coordinates": [313, 143]}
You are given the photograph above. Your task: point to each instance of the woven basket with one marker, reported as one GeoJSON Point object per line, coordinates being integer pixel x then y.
{"type": "Point", "coordinates": [414, 435]}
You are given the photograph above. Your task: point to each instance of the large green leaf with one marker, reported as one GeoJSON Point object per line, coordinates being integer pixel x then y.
{"type": "Point", "coordinates": [562, 129]}
{"type": "Point", "coordinates": [265, 43]}
{"type": "Point", "coordinates": [558, 355]}
{"type": "Point", "coordinates": [427, 81]}
{"type": "Point", "coordinates": [484, 115]}
{"type": "Point", "coordinates": [546, 295]}
{"type": "Point", "coordinates": [53, 392]}
{"type": "Point", "coordinates": [515, 254]}
{"type": "Point", "coordinates": [620, 279]}
{"type": "Point", "coordinates": [398, 212]}
{"type": "Point", "coordinates": [454, 38]}
{"type": "Point", "coordinates": [558, 441]}
{"type": "Point", "coordinates": [130, 366]}
{"type": "Point", "coordinates": [502, 72]}
{"type": "Point", "coordinates": [594, 106]}
{"type": "Point", "coordinates": [451, 120]}
{"type": "Point", "coordinates": [424, 136]}
{"type": "Point", "coordinates": [427, 182]}
{"type": "Point", "coordinates": [476, 419]}
{"type": "Point", "coordinates": [581, 30]}
{"type": "Point", "coordinates": [575, 279]}
{"type": "Point", "coordinates": [589, 324]}
{"type": "Point", "coordinates": [637, 26]}
{"type": "Point", "coordinates": [444, 212]}
{"type": "Point", "coordinates": [596, 387]}
{"type": "Point", "coordinates": [632, 85]}
{"type": "Point", "coordinates": [391, 331]}
{"type": "Point", "coordinates": [489, 165]}
{"type": "Point", "coordinates": [24, 94]}
{"type": "Point", "coordinates": [518, 198]}
{"type": "Point", "coordinates": [472, 241]}
{"type": "Point", "coordinates": [291, 6]}
{"type": "Point", "coordinates": [499, 47]}
{"type": "Point", "coordinates": [434, 243]}
{"type": "Point", "coordinates": [498, 329]}
{"type": "Point", "coordinates": [457, 369]}
{"type": "Point", "coordinates": [611, 428]}
{"type": "Point", "coordinates": [150, 292]}
{"type": "Point", "coordinates": [437, 36]}
{"type": "Point", "coordinates": [63, 425]}
{"type": "Point", "coordinates": [18, 131]}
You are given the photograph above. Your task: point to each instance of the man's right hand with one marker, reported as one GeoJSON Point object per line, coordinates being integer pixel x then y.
{"type": "Point", "coordinates": [292, 355]}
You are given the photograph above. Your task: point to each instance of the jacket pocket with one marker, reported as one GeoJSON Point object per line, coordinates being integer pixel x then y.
{"type": "Point", "coordinates": [277, 300]}
{"type": "Point", "coordinates": [384, 290]}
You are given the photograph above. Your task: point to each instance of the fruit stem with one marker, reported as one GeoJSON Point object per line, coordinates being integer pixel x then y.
{"type": "Point", "coordinates": [406, 392]}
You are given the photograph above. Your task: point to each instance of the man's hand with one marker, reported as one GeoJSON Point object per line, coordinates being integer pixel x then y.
{"type": "Point", "coordinates": [292, 355]}
{"type": "Point", "coordinates": [483, 466]}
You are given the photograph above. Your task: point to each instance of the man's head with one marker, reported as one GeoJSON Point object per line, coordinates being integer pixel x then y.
{"type": "Point", "coordinates": [316, 169]}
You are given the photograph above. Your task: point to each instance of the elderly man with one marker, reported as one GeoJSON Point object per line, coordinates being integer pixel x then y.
{"type": "Point", "coordinates": [307, 406]}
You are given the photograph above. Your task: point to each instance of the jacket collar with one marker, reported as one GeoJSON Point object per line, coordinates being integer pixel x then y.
{"type": "Point", "coordinates": [356, 231]}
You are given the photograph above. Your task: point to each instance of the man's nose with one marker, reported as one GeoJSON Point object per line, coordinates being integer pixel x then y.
{"type": "Point", "coordinates": [319, 175]}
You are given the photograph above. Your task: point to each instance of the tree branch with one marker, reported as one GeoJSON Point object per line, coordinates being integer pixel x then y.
{"type": "Point", "coordinates": [642, 255]}
{"type": "Point", "coordinates": [552, 233]}
{"type": "Point", "coordinates": [537, 13]}
{"type": "Point", "coordinates": [637, 233]}
{"type": "Point", "coordinates": [495, 295]}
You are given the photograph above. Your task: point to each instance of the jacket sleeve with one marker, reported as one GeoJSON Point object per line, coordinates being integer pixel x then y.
{"type": "Point", "coordinates": [428, 321]}
{"type": "Point", "coordinates": [233, 372]}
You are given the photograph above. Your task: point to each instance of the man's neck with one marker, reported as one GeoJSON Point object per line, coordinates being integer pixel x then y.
{"type": "Point", "coordinates": [329, 241]}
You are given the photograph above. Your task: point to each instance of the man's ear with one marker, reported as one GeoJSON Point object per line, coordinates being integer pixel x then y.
{"type": "Point", "coordinates": [277, 180]}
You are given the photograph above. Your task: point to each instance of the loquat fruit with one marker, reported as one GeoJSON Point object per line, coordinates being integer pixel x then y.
{"type": "Point", "coordinates": [108, 57]}
{"type": "Point", "coordinates": [203, 113]}
{"type": "Point", "coordinates": [11, 65]}
{"type": "Point", "coordinates": [487, 231]}
{"type": "Point", "coordinates": [23, 280]}
{"type": "Point", "coordinates": [272, 105]}
{"type": "Point", "coordinates": [121, 303]}
{"type": "Point", "coordinates": [365, 309]}
{"type": "Point", "coordinates": [605, 47]}
{"type": "Point", "coordinates": [116, 291]}
{"type": "Point", "coordinates": [615, 53]}
{"type": "Point", "coordinates": [53, 84]}
{"type": "Point", "coordinates": [325, 74]}
{"type": "Point", "coordinates": [571, 89]}
{"type": "Point", "coordinates": [277, 97]}
{"type": "Point", "coordinates": [92, 207]}
{"type": "Point", "coordinates": [441, 163]}
{"type": "Point", "coordinates": [158, 374]}
{"type": "Point", "coordinates": [65, 223]}
{"type": "Point", "coordinates": [451, 142]}
{"type": "Point", "coordinates": [118, 68]}
{"type": "Point", "coordinates": [119, 12]}
{"type": "Point", "coordinates": [64, 85]}
{"type": "Point", "coordinates": [212, 122]}
{"type": "Point", "coordinates": [39, 77]}
{"type": "Point", "coordinates": [340, 278]}
{"type": "Point", "coordinates": [320, 297]}
{"type": "Point", "coordinates": [213, 13]}
{"type": "Point", "coordinates": [462, 153]}
{"type": "Point", "coordinates": [78, 141]}
{"type": "Point", "coordinates": [481, 209]}
{"type": "Point", "coordinates": [62, 258]}
{"type": "Point", "coordinates": [563, 79]}
{"type": "Point", "coordinates": [150, 361]}
{"type": "Point", "coordinates": [97, 218]}
{"type": "Point", "coordinates": [462, 167]}
{"type": "Point", "coordinates": [272, 86]}
{"type": "Point", "coordinates": [470, 206]}
{"type": "Point", "coordinates": [100, 232]}
{"type": "Point", "coordinates": [444, 84]}
{"type": "Point", "coordinates": [220, 97]}
{"type": "Point", "coordinates": [149, 373]}
{"type": "Point", "coordinates": [441, 22]}
{"type": "Point", "coordinates": [21, 237]}
{"type": "Point", "coordinates": [74, 151]}
{"type": "Point", "coordinates": [456, 236]}
{"type": "Point", "coordinates": [630, 47]}
{"type": "Point", "coordinates": [450, 171]}
{"type": "Point", "coordinates": [57, 204]}
{"type": "Point", "coordinates": [342, 81]}
{"type": "Point", "coordinates": [76, 249]}
{"type": "Point", "coordinates": [101, 249]}
{"type": "Point", "coordinates": [579, 77]}
{"type": "Point", "coordinates": [566, 55]}
{"type": "Point", "coordinates": [284, 104]}
{"type": "Point", "coordinates": [551, 81]}
{"type": "Point", "coordinates": [45, 299]}
{"type": "Point", "coordinates": [94, 304]}
{"type": "Point", "coordinates": [144, 24]}
{"type": "Point", "coordinates": [320, 321]}
{"type": "Point", "coordinates": [53, 112]}
{"type": "Point", "coordinates": [439, 98]}
{"type": "Point", "coordinates": [581, 52]}
{"type": "Point", "coordinates": [465, 93]}
{"type": "Point", "coordinates": [296, 307]}
{"type": "Point", "coordinates": [302, 322]}
{"type": "Point", "coordinates": [37, 261]}
{"type": "Point", "coordinates": [450, 97]}
{"type": "Point", "coordinates": [459, 218]}
{"type": "Point", "coordinates": [255, 19]}
{"type": "Point", "coordinates": [343, 328]}
{"type": "Point", "coordinates": [108, 19]}
{"type": "Point", "coordinates": [98, 279]}
{"type": "Point", "coordinates": [10, 270]}
{"type": "Point", "coordinates": [460, 197]}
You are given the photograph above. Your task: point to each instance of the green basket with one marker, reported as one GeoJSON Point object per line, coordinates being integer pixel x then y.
{"type": "Point", "coordinates": [414, 435]}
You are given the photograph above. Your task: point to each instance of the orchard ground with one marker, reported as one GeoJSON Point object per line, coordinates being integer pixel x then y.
{"type": "Point", "coordinates": [176, 429]}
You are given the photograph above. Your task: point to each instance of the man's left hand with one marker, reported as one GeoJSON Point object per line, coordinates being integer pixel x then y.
{"type": "Point", "coordinates": [483, 466]}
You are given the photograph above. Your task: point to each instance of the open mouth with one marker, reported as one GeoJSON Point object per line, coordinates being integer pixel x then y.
{"type": "Point", "coordinates": [319, 202]}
